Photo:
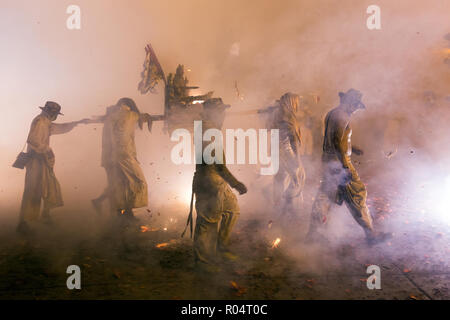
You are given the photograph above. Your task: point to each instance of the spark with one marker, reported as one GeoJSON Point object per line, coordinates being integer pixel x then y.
{"type": "Point", "coordinates": [275, 243]}
{"type": "Point", "coordinates": [165, 244]}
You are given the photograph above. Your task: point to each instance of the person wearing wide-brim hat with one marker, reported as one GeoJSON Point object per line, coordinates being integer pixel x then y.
{"type": "Point", "coordinates": [41, 184]}
{"type": "Point", "coordinates": [52, 108]}
{"type": "Point", "coordinates": [340, 181]}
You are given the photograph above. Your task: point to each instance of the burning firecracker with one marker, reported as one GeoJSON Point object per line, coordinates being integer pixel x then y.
{"type": "Point", "coordinates": [275, 243]}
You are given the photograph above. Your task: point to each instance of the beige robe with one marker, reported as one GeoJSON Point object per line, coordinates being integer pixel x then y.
{"type": "Point", "coordinates": [340, 180]}
{"type": "Point", "coordinates": [216, 205]}
{"type": "Point", "coordinates": [40, 179]}
{"type": "Point", "coordinates": [290, 161]}
{"type": "Point", "coordinates": [127, 184]}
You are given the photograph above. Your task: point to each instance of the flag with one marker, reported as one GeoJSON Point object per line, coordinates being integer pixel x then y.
{"type": "Point", "coordinates": [152, 73]}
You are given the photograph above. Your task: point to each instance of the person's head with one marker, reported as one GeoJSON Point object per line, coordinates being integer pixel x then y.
{"type": "Point", "coordinates": [214, 110]}
{"type": "Point", "coordinates": [290, 102]}
{"type": "Point", "coordinates": [51, 110]}
{"type": "Point", "coordinates": [351, 101]}
{"type": "Point", "coordinates": [128, 103]}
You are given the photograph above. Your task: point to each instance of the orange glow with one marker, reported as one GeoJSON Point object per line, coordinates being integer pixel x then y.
{"type": "Point", "coordinates": [275, 243]}
{"type": "Point", "coordinates": [162, 245]}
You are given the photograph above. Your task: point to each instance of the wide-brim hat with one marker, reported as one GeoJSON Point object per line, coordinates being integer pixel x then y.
{"type": "Point", "coordinates": [352, 96]}
{"type": "Point", "coordinates": [52, 107]}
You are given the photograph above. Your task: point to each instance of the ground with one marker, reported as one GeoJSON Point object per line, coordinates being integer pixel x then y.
{"type": "Point", "coordinates": [147, 261]}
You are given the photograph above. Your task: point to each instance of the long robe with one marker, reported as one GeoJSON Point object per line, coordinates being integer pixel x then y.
{"type": "Point", "coordinates": [340, 180]}
{"type": "Point", "coordinates": [40, 180]}
{"type": "Point", "coordinates": [127, 185]}
{"type": "Point", "coordinates": [291, 165]}
{"type": "Point", "coordinates": [216, 205]}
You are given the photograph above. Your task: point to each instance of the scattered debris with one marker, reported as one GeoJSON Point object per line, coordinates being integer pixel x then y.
{"type": "Point", "coordinates": [165, 244]}
{"type": "Point", "coordinates": [390, 154]}
{"type": "Point", "coordinates": [148, 229]}
{"type": "Point", "coordinates": [239, 290]}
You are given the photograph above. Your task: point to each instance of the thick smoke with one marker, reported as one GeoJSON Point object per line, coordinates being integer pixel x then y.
{"type": "Point", "coordinates": [260, 49]}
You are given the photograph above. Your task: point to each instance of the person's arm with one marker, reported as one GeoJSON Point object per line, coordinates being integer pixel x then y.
{"type": "Point", "coordinates": [101, 119]}
{"type": "Point", "coordinates": [340, 140]}
{"type": "Point", "coordinates": [289, 158]}
{"type": "Point", "coordinates": [61, 128]}
{"type": "Point", "coordinates": [227, 175]}
{"type": "Point", "coordinates": [95, 120]}
{"type": "Point", "coordinates": [143, 118]}
{"type": "Point", "coordinates": [289, 149]}
{"type": "Point", "coordinates": [230, 178]}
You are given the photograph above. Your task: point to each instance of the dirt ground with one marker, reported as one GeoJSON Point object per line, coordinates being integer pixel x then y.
{"type": "Point", "coordinates": [147, 261]}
